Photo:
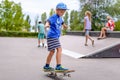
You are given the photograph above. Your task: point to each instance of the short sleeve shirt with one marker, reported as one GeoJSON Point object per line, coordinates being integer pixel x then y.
{"type": "Point", "coordinates": [41, 28]}
{"type": "Point", "coordinates": [55, 26]}
{"type": "Point", "coordinates": [110, 24]}
{"type": "Point", "coordinates": [88, 23]}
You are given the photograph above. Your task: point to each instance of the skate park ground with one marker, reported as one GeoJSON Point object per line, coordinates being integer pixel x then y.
{"type": "Point", "coordinates": [21, 59]}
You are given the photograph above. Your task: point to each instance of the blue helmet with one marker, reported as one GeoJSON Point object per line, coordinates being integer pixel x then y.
{"type": "Point", "coordinates": [61, 6]}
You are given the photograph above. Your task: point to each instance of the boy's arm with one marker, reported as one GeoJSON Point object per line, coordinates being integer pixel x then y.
{"type": "Point", "coordinates": [38, 28]}
{"type": "Point", "coordinates": [64, 26]}
{"type": "Point", "coordinates": [47, 24]}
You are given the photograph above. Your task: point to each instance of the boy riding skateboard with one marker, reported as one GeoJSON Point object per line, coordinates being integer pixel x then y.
{"type": "Point", "coordinates": [55, 24]}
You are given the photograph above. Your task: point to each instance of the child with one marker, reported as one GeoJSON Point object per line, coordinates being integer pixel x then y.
{"type": "Point", "coordinates": [87, 27]}
{"type": "Point", "coordinates": [109, 27]}
{"type": "Point", "coordinates": [41, 32]}
{"type": "Point", "coordinates": [55, 23]}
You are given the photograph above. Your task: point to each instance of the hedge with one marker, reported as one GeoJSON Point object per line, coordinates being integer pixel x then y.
{"type": "Point", "coordinates": [17, 34]}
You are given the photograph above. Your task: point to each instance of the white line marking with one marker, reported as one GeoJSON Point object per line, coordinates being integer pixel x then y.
{"type": "Point", "coordinates": [72, 54]}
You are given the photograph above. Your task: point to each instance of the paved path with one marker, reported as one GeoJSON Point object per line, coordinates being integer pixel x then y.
{"type": "Point", "coordinates": [21, 59]}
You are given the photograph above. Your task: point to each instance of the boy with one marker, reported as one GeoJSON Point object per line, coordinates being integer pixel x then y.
{"type": "Point", "coordinates": [55, 23]}
{"type": "Point", "coordinates": [41, 33]}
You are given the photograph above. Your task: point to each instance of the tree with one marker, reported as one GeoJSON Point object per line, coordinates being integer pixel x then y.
{"type": "Point", "coordinates": [27, 23]}
{"type": "Point", "coordinates": [12, 17]}
{"type": "Point", "coordinates": [51, 12]}
{"type": "Point", "coordinates": [75, 20]}
{"type": "Point", "coordinates": [43, 17]}
{"type": "Point", "coordinates": [36, 22]}
{"type": "Point", "coordinates": [100, 9]}
{"type": "Point", "coordinates": [66, 18]}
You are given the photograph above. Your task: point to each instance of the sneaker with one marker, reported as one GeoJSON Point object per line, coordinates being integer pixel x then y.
{"type": "Point", "coordinates": [43, 44]}
{"type": "Point", "coordinates": [48, 68]}
{"type": "Point", "coordinates": [86, 44]}
{"type": "Point", "coordinates": [38, 45]}
{"type": "Point", "coordinates": [60, 68]}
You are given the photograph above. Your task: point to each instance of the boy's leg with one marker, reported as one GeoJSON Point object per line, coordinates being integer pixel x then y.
{"type": "Point", "coordinates": [49, 57]}
{"type": "Point", "coordinates": [42, 39]}
{"type": "Point", "coordinates": [58, 60]}
{"type": "Point", "coordinates": [38, 40]}
{"type": "Point", "coordinates": [58, 55]}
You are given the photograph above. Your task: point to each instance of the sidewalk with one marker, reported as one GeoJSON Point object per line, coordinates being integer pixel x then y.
{"type": "Point", "coordinates": [21, 59]}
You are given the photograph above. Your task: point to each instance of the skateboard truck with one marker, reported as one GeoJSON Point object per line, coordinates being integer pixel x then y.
{"type": "Point", "coordinates": [54, 73]}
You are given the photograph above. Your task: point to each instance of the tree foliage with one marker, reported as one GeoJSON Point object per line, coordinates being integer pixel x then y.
{"type": "Point", "coordinates": [75, 21]}
{"type": "Point", "coordinates": [44, 17]}
{"type": "Point", "coordinates": [36, 22]}
{"type": "Point", "coordinates": [66, 18]}
{"type": "Point", "coordinates": [51, 12]}
{"type": "Point", "coordinates": [12, 17]}
{"type": "Point", "coordinates": [100, 9]}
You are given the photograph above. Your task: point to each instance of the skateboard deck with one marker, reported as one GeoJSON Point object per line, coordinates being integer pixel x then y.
{"type": "Point", "coordinates": [54, 73]}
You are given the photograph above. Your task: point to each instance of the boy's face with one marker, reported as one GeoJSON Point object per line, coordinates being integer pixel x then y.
{"type": "Point", "coordinates": [60, 12]}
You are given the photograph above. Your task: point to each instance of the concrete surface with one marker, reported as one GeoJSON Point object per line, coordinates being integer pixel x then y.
{"type": "Point", "coordinates": [21, 59]}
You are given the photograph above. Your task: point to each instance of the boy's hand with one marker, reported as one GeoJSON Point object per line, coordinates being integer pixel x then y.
{"type": "Point", "coordinates": [47, 24]}
{"type": "Point", "coordinates": [65, 26]}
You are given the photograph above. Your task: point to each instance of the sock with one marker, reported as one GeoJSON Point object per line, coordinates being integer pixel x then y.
{"type": "Point", "coordinates": [47, 65]}
{"type": "Point", "coordinates": [58, 65]}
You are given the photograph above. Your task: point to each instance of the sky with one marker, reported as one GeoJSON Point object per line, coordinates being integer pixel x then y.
{"type": "Point", "coordinates": [37, 7]}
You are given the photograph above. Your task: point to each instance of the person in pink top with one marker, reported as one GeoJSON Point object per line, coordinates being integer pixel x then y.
{"type": "Point", "coordinates": [109, 27]}
{"type": "Point", "coordinates": [87, 27]}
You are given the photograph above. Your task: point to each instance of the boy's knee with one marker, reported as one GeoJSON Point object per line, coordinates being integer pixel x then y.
{"type": "Point", "coordinates": [52, 51]}
{"type": "Point", "coordinates": [59, 49]}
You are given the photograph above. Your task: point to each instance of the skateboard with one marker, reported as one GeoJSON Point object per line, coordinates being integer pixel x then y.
{"type": "Point", "coordinates": [55, 74]}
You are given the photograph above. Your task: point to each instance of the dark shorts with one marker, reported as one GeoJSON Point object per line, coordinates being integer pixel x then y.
{"type": "Point", "coordinates": [53, 43]}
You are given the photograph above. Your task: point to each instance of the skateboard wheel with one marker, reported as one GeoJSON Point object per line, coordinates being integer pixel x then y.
{"type": "Point", "coordinates": [55, 74]}
{"type": "Point", "coordinates": [69, 75]}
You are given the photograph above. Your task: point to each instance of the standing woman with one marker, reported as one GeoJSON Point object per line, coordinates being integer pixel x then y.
{"type": "Point", "coordinates": [87, 27]}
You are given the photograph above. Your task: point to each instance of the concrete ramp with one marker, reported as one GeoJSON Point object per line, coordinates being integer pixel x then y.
{"type": "Point", "coordinates": [112, 51]}
{"type": "Point", "coordinates": [73, 46]}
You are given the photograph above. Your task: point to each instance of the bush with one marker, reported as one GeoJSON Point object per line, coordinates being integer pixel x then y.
{"type": "Point", "coordinates": [117, 26]}
{"type": "Point", "coordinates": [17, 34]}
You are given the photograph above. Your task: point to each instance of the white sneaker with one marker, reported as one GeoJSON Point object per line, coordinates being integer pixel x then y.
{"type": "Point", "coordinates": [45, 45]}
{"type": "Point", "coordinates": [41, 45]}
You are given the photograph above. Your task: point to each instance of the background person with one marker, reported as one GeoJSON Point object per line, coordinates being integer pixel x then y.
{"type": "Point", "coordinates": [109, 27]}
{"type": "Point", "coordinates": [41, 33]}
{"type": "Point", "coordinates": [87, 27]}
